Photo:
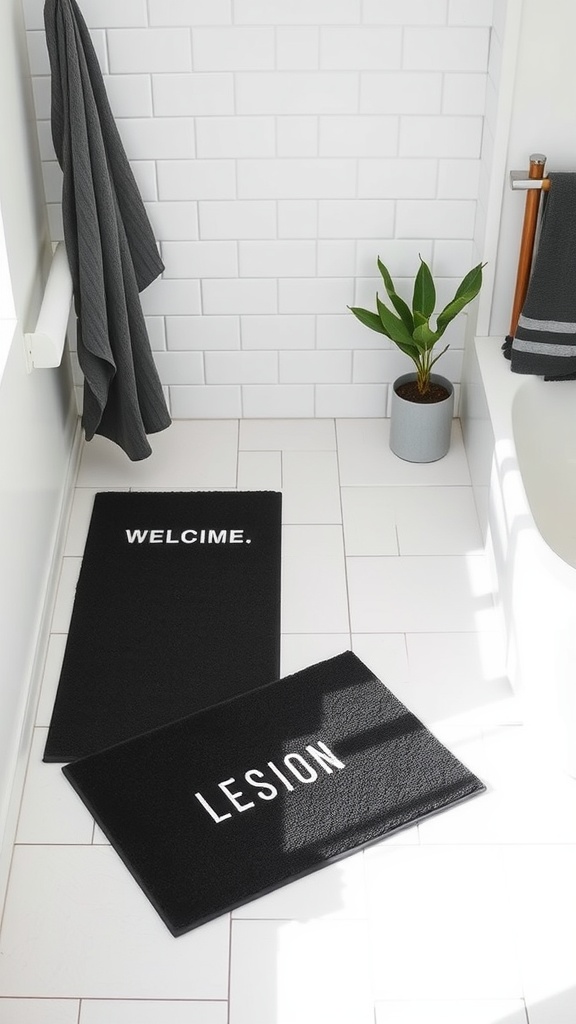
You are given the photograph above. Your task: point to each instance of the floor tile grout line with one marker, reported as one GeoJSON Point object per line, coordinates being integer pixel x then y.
{"type": "Point", "coordinates": [65, 845]}
{"type": "Point", "coordinates": [229, 988]}
{"type": "Point", "coordinates": [114, 999]}
{"type": "Point", "coordinates": [61, 999]}
{"type": "Point", "coordinates": [128, 999]}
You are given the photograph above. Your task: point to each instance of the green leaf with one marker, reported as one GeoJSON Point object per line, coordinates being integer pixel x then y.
{"type": "Point", "coordinates": [472, 283]}
{"type": "Point", "coordinates": [424, 298]}
{"type": "Point", "coordinates": [393, 326]}
{"type": "Point", "coordinates": [426, 336]}
{"type": "Point", "coordinates": [450, 311]}
{"type": "Point", "coordinates": [369, 319]}
{"type": "Point", "coordinates": [399, 305]}
{"type": "Point", "coordinates": [467, 291]}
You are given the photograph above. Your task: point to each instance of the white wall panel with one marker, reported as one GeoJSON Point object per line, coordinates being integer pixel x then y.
{"type": "Point", "coordinates": [280, 148]}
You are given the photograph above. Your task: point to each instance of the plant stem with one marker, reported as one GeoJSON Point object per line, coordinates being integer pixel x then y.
{"type": "Point", "coordinates": [423, 375]}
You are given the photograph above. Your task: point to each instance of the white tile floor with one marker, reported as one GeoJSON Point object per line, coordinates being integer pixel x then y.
{"type": "Point", "coordinates": [469, 918]}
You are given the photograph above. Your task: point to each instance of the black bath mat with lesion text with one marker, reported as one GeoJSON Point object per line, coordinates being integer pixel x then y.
{"type": "Point", "coordinates": [235, 801]}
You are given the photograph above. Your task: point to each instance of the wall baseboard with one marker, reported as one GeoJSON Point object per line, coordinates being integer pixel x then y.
{"type": "Point", "coordinates": [9, 826]}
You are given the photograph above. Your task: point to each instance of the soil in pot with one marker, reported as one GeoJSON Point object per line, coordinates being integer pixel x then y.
{"type": "Point", "coordinates": [409, 392]}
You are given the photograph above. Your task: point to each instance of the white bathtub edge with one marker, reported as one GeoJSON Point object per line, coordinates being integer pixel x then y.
{"type": "Point", "coordinates": [534, 587]}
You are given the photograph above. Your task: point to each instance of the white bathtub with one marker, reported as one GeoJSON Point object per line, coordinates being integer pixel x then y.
{"type": "Point", "coordinates": [532, 540]}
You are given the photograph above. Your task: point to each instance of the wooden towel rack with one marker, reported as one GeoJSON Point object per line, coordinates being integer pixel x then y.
{"type": "Point", "coordinates": [534, 182]}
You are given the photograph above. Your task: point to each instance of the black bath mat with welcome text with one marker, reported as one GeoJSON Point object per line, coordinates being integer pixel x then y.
{"type": "Point", "coordinates": [177, 607]}
{"type": "Point", "coordinates": [233, 802]}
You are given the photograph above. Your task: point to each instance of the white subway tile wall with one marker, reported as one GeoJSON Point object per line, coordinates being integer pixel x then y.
{"type": "Point", "coordinates": [280, 147]}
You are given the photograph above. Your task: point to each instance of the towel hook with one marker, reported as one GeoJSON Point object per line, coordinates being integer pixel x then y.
{"type": "Point", "coordinates": [535, 183]}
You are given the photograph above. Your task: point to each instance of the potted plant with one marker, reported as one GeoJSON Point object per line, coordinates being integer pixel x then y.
{"type": "Point", "coordinates": [422, 401]}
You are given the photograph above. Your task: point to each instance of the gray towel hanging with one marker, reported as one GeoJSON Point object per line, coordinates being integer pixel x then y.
{"type": "Point", "coordinates": [545, 339]}
{"type": "Point", "coordinates": [109, 241]}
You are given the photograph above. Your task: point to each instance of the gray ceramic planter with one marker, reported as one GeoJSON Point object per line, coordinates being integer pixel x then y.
{"type": "Point", "coordinates": [421, 432]}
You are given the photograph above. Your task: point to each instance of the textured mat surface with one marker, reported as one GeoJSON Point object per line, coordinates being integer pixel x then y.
{"type": "Point", "coordinates": [233, 802]}
{"type": "Point", "coordinates": [177, 607]}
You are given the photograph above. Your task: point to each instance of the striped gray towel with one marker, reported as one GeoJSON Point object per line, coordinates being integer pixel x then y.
{"type": "Point", "coordinates": [110, 245]}
{"type": "Point", "coordinates": [545, 340]}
